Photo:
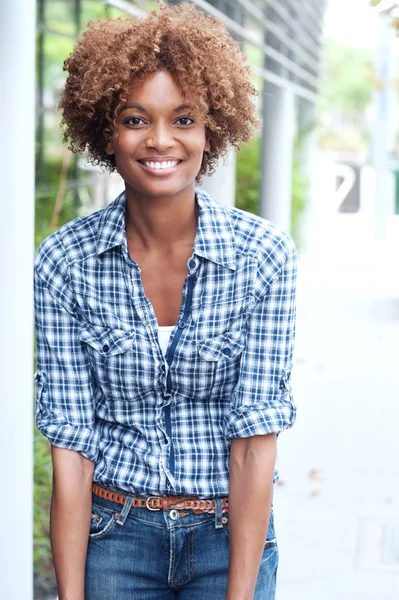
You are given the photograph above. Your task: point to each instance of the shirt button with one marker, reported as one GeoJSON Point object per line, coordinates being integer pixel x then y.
{"type": "Point", "coordinates": [192, 263]}
{"type": "Point", "coordinates": [226, 351]}
{"type": "Point", "coordinates": [105, 348]}
{"type": "Point", "coordinates": [182, 324]}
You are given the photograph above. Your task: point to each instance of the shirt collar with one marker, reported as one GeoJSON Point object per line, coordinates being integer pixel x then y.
{"type": "Point", "coordinates": [215, 235]}
{"type": "Point", "coordinates": [214, 239]}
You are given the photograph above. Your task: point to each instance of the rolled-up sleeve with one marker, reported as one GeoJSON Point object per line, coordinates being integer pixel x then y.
{"type": "Point", "coordinates": [262, 402]}
{"type": "Point", "coordinates": [64, 386]}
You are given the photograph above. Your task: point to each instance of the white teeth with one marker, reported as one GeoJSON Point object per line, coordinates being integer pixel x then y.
{"type": "Point", "coordinates": [163, 165]}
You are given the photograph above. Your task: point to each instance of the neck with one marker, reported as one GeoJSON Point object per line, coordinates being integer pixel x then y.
{"type": "Point", "coordinates": [160, 222]}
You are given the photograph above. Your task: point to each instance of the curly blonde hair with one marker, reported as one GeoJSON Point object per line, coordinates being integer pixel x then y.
{"type": "Point", "coordinates": [196, 49]}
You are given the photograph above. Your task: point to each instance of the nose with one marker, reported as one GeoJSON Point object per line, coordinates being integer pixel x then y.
{"type": "Point", "coordinates": [160, 137]}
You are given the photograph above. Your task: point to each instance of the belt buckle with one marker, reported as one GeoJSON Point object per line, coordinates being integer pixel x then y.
{"type": "Point", "coordinates": [149, 507]}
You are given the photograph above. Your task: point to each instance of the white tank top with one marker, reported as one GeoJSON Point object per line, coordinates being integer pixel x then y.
{"type": "Point", "coordinates": [164, 332]}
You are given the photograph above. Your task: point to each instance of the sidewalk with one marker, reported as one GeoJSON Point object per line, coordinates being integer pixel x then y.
{"type": "Point", "coordinates": [338, 529]}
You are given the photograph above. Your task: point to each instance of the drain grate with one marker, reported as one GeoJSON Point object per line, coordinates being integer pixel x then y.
{"type": "Point", "coordinates": [378, 543]}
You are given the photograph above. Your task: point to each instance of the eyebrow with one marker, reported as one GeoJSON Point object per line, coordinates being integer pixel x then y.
{"type": "Point", "coordinates": [142, 109]}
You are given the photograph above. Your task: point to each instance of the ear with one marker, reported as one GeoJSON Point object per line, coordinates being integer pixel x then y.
{"type": "Point", "coordinates": [109, 148]}
{"type": "Point", "coordinates": [207, 146]}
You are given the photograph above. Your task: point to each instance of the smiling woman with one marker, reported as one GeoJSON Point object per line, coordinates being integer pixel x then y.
{"type": "Point", "coordinates": [165, 328]}
{"type": "Point", "coordinates": [115, 55]}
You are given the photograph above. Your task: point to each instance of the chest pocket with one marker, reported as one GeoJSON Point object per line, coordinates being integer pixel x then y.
{"type": "Point", "coordinates": [220, 357]}
{"type": "Point", "coordinates": [122, 365]}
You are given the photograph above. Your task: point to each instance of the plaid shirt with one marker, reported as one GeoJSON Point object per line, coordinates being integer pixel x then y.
{"type": "Point", "coordinates": [101, 384]}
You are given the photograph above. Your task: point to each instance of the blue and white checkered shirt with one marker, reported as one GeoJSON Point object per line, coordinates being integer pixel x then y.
{"type": "Point", "coordinates": [101, 385]}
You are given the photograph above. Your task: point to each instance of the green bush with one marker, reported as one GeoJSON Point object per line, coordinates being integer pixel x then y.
{"type": "Point", "coordinates": [42, 560]}
{"type": "Point", "coordinates": [248, 176]}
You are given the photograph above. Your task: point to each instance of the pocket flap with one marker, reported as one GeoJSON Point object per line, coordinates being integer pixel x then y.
{"type": "Point", "coordinates": [107, 341]}
{"type": "Point", "coordinates": [222, 347]}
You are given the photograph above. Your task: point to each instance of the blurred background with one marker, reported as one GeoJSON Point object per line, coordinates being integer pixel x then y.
{"type": "Point", "coordinates": [325, 168]}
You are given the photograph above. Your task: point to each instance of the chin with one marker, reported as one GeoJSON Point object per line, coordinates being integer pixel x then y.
{"type": "Point", "coordinates": [157, 188]}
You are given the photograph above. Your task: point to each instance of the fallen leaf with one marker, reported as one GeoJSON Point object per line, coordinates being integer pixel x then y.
{"type": "Point", "coordinates": [316, 474]}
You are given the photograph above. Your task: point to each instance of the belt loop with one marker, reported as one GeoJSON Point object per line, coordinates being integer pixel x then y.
{"type": "Point", "coordinates": [218, 513]}
{"type": "Point", "coordinates": [125, 510]}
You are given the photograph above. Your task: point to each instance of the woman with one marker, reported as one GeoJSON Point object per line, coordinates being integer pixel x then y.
{"type": "Point", "coordinates": [165, 328]}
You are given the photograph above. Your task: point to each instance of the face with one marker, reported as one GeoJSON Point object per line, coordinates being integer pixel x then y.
{"type": "Point", "coordinates": [155, 126]}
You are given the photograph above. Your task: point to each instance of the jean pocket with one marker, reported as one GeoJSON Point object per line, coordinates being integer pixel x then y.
{"type": "Point", "coordinates": [102, 523]}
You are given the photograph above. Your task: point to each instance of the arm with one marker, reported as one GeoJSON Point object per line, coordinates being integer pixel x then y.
{"type": "Point", "coordinates": [65, 398]}
{"type": "Point", "coordinates": [70, 517]}
{"type": "Point", "coordinates": [261, 407]}
{"type": "Point", "coordinates": [251, 485]}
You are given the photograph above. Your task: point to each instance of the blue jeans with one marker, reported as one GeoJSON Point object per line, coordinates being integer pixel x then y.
{"type": "Point", "coordinates": [141, 554]}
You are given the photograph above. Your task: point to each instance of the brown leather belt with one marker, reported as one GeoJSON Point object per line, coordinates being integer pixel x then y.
{"type": "Point", "coordinates": [197, 505]}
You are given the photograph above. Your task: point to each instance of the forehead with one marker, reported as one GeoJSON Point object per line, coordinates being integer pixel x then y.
{"type": "Point", "coordinates": [158, 92]}
{"type": "Point", "coordinates": [158, 88]}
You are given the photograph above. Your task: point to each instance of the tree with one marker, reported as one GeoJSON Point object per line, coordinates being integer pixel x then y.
{"type": "Point", "coordinates": [390, 8]}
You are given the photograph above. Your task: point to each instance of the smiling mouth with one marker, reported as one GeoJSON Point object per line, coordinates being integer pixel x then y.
{"type": "Point", "coordinates": [159, 169]}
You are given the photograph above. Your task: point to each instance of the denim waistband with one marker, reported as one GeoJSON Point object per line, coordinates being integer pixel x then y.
{"type": "Point", "coordinates": [169, 517]}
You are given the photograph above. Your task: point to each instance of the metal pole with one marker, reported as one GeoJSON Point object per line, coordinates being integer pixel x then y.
{"type": "Point", "coordinates": [17, 157]}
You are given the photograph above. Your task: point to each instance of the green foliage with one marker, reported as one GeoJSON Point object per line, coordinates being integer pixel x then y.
{"type": "Point", "coordinates": [388, 8]}
{"type": "Point", "coordinates": [346, 90]}
{"type": "Point", "coordinates": [45, 200]}
{"type": "Point", "coordinates": [300, 186]}
{"type": "Point", "coordinates": [248, 176]}
{"type": "Point", "coordinates": [42, 559]}
{"type": "Point", "coordinates": [347, 82]}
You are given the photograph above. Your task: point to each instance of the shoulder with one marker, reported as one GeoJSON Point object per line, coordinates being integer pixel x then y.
{"type": "Point", "coordinates": [272, 248]}
{"type": "Point", "coordinates": [251, 234]}
{"type": "Point", "coordinates": [259, 237]}
{"type": "Point", "coordinates": [75, 241]}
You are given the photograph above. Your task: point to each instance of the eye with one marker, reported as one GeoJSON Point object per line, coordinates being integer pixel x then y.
{"type": "Point", "coordinates": [189, 118]}
{"type": "Point", "coordinates": [130, 119]}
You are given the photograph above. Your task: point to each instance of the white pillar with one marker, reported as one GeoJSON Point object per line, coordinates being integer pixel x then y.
{"type": "Point", "coordinates": [222, 184]}
{"type": "Point", "coordinates": [308, 221]}
{"type": "Point", "coordinates": [17, 152]}
{"type": "Point", "coordinates": [277, 152]}
{"type": "Point", "coordinates": [384, 129]}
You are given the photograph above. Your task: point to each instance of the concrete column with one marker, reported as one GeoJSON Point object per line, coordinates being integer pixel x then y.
{"type": "Point", "coordinates": [276, 158]}
{"type": "Point", "coordinates": [17, 152]}
{"type": "Point", "coordinates": [308, 223]}
{"type": "Point", "coordinates": [384, 130]}
{"type": "Point", "coordinates": [222, 184]}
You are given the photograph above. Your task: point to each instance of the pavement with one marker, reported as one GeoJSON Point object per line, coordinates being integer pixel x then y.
{"type": "Point", "coordinates": [337, 503]}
